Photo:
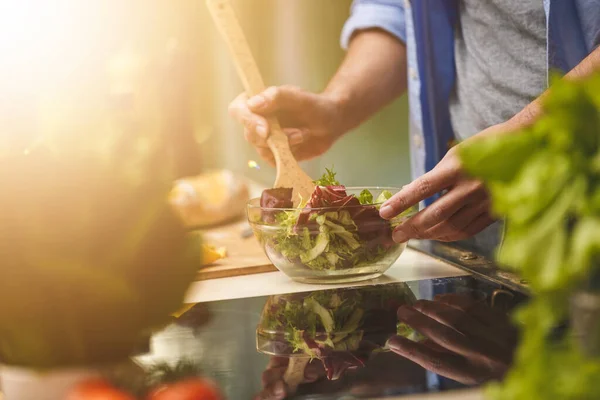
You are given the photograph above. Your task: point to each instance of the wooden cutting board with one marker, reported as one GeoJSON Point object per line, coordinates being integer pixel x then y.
{"type": "Point", "coordinates": [245, 256]}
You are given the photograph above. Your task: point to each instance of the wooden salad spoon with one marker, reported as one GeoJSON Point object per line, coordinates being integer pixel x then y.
{"type": "Point", "coordinates": [289, 173]}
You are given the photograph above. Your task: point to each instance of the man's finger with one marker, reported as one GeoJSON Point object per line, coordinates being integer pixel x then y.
{"type": "Point", "coordinates": [434, 346]}
{"type": "Point", "coordinates": [479, 223]}
{"type": "Point", "coordinates": [449, 204]}
{"type": "Point", "coordinates": [439, 211]}
{"type": "Point", "coordinates": [459, 222]}
{"type": "Point", "coordinates": [460, 321]}
{"type": "Point", "coordinates": [439, 333]}
{"type": "Point", "coordinates": [441, 177]}
{"type": "Point", "coordinates": [273, 374]}
{"type": "Point", "coordinates": [277, 98]}
{"type": "Point", "coordinates": [266, 154]}
{"type": "Point", "coordinates": [256, 124]}
{"type": "Point", "coordinates": [296, 136]}
{"type": "Point", "coordinates": [275, 391]}
{"type": "Point", "coordinates": [314, 371]}
{"type": "Point", "coordinates": [442, 363]}
{"type": "Point", "coordinates": [255, 140]}
{"type": "Point", "coordinates": [440, 218]}
{"type": "Point", "coordinates": [494, 319]}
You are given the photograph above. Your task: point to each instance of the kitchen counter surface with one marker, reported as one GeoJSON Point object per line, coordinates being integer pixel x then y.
{"type": "Point", "coordinates": [411, 266]}
{"type": "Point", "coordinates": [242, 332]}
{"type": "Point", "coordinates": [222, 334]}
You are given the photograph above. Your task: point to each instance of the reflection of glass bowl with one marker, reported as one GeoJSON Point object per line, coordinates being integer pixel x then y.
{"type": "Point", "coordinates": [319, 324]}
{"type": "Point", "coordinates": [328, 244]}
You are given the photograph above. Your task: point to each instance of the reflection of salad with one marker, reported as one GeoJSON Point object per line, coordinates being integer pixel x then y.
{"type": "Point", "coordinates": [322, 323]}
{"type": "Point", "coordinates": [330, 231]}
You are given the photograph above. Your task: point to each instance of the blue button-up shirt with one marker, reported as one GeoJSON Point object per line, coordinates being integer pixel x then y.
{"type": "Point", "coordinates": [427, 28]}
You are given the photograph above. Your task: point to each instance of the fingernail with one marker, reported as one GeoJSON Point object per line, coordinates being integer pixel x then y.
{"type": "Point", "coordinates": [256, 102]}
{"type": "Point", "coordinates": [295, 138]}
{"type": "Point", "coordinates": [261, 130]}
{"type": "Point", "coordinates": [279, 389]}
{"type": "Point", "coordinates": [392, 343]}
{"type": "Point", "coordinates": [311, 376]}
{"type": "Point", "coordinates": [404, 310]}
{"type": "Point", "coordinates": [399, 237]}
{"type": "Point", "coordinates": [386, 212]}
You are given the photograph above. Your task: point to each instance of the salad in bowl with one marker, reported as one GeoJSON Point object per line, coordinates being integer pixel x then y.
{"type": "Point", "coordinates": [335, 236]}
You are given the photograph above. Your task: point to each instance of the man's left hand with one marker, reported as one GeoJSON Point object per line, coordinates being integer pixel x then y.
{"type": "Point", "coordinates": [461, 212]}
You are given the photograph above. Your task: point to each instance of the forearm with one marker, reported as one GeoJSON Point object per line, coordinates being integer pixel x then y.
{"type": "Point", "coordinates": [533, 110]}
{"type": "Point", "coordinates": [370, 77]}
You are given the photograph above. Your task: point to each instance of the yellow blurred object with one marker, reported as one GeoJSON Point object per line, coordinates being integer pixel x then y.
{"type": "Point", "coordinates": [209, 199]}
{"type": "Point", "coordinates": [210, 254]}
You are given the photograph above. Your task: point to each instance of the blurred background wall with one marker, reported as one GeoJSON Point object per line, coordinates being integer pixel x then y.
{"type": "Point", "coordinates": [295, 42]}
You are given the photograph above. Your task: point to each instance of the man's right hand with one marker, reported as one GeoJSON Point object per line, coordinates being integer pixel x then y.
{"type": "Point", "coordinates": [312, 122]}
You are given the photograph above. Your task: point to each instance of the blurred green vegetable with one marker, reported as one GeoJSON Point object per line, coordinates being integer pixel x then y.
{"type": "Point", "coordinates": [545, 181]}
{"type": "Point", "coordinates": [365, 197]}
{"type": "Point", "coordinates": [328, 179]}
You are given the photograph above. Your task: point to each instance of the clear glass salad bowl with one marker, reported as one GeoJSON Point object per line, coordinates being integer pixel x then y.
{"type": "Point", "coordinates": [345, 242]}
{"type": "Point", "coordinates": [328, 323]}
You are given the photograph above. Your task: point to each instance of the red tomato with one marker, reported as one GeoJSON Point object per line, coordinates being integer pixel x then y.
{"type": "Point", "coordinates": [189, 389]}
{"type": "Point", "coordinates": [97, 389]}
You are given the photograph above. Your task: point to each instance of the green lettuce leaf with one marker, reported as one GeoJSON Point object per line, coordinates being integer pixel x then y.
{"type": "Point", "coordinates": [328, 179]}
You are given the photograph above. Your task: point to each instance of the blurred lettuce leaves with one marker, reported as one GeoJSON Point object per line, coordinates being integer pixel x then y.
{"type": "Point", "coordinates": [544, 181]}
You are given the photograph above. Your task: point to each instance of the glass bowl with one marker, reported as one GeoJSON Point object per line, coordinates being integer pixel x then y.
{"type": "Point", "coordinates": [328, 323]}
{"type": "Point", "coordinates": [329, 244]}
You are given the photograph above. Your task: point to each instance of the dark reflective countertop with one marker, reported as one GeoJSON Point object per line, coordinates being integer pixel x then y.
{"type": "Point", "coordinates": [452, 333]}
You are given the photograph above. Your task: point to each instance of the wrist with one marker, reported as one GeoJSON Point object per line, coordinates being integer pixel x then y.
{"type": "Point", "coordinates": [340, 102]}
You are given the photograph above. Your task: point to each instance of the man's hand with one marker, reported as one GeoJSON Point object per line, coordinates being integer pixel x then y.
{"type": "Point", "coordinates": [274, 386]}
{"type": "Point", "coordinates": [311, 121]}
{"type": "Point", "coordinates": [466, 340]}
{"type": "Point", "coordinates": [462, 211]}
{"type": "Point", "coordinates": [371, 76]}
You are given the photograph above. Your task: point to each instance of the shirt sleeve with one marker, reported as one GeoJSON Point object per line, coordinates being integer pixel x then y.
{"type": "Point", "coordinates": [388, 15]}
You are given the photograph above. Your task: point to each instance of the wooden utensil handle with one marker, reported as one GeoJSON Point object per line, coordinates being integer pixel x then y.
{"type": "Point", "coordinates": [229, 27]}
{"type": "Point", "coordinates": [289, 173]}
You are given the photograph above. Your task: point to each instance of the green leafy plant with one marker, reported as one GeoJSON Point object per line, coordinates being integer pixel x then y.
{"type": "Point", "coordinates": [545, 181]}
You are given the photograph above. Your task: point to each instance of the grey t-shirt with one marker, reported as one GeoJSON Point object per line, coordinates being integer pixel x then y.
{"type": "Point", "coordinates": [500, 52]}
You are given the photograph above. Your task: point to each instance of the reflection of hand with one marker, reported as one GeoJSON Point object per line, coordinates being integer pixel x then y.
{"type": "Point", "coordinates": [466, 340]}
{"type": "Point", "coordinates": [273, 382]}
{"type": "Point", "coordinates": [332, 367]}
